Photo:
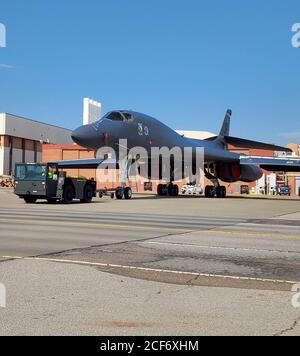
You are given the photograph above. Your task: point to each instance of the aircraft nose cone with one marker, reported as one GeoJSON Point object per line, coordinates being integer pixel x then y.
{"type": "Point", "coordinates": [85, 136]}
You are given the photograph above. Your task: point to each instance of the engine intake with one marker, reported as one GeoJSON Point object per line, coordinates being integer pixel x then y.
{"type": "Point", "coordinates": [231, 173]}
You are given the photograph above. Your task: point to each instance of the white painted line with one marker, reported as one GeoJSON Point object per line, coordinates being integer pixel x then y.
{"type": "Point", "coordinates": [145, 269]}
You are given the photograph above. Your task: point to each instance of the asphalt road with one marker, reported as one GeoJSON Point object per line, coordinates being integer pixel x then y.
{"type": "Point", "coordinates": [239, 247]}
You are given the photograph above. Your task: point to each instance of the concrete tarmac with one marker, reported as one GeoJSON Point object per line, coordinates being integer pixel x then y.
{"type": "Point", "coordinates": [216, 264]}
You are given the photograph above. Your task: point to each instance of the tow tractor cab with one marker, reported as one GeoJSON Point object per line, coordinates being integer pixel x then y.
{"type": "Point", "coordinates": [46, 181]}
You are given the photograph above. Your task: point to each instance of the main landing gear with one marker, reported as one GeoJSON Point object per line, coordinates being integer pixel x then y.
{"type": "Point", "coordinates": [124, 192]}
{"type": "Point", "coordinates": [218, 191]}
{"type": "Point", "coordinates": [171, 190]}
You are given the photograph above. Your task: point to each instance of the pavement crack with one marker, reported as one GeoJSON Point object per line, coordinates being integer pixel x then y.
{"type": "Point", "coordinates": [188, 285]}
{"type": "Point", "coordinates": [114, 244]}
{"type": "Point", "coordinates": [151, 296]}
{"type": "Point", "coordinates": [292, 328]}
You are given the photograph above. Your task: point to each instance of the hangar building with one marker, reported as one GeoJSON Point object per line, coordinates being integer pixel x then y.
{"type": "Point", "coordinates": [21, 140]}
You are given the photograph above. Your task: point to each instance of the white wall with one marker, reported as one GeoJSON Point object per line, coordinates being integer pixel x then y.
{"type": "Point", "coordinates": [33, 130]}
{"type": "Point", "coordinates": [2, 124]}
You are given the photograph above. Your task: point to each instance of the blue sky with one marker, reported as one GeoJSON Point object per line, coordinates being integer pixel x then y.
{"type": "Point", "coordinates": [184, 62]}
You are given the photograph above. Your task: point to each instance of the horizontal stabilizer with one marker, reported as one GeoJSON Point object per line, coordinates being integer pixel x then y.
{"type": "Point", "coordinates": [239, 142]}
{"type": "Point", "coordinates": [242, 143]}
{"type": "Point", "coordinates": [273, 164]}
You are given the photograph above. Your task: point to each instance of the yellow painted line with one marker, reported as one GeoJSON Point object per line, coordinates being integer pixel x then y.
{"type": "Point", "coordinates": [98, 225]}
{"type": "Point", "coordinates": [251, 233]}
{"type": "Point", "coordinates": [145, 269]}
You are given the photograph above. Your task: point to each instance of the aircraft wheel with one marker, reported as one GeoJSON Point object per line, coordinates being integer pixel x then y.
{"type": "Point", "coordinates": [224, 192]}
{"type": "Point", "coordinates": [119, 193]}
{"type": "Point", "coordinates": [209, 191]}
{"type": "Point", "coordinates": [30, 200]}
{"type": "Point", "coordinates": [170, 190]}
{"type": "Point", "coordinates": [160, 188]}
{"type": "Point", "coordinates": [221, 192]}
{"type": "Point", "coordinates": [128, 193]}
{"type": "Point", "coordinates": [175, 191]}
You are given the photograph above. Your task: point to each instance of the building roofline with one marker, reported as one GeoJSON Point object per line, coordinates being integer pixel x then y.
{"type": "Point", "coordinates": [39, 122]}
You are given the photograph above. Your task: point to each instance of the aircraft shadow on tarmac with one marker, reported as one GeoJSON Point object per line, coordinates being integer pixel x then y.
{"type": "Point", "coordinates": [155, 197]}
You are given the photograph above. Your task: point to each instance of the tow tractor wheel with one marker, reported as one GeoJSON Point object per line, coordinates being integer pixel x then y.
{"type": "Point", "coordinates": [119, 193]}
{"type": "Point", "coordinates": [68, 194]}
{"type": "Point", "coordinates": [30, 200]}
{"type": "Point", "coordinates": [209, 191]}
{"type": "Point", "coordinates": [128, 193]}
{"type": "Point", "coordinates": [88, 194]}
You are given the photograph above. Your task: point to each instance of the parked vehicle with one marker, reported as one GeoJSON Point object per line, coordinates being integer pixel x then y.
{"type": "Point", "coordinates": [245, 189]}
{"type": "Point", "coordinates": [284, 190]}
{"type": "Point", "coordinates": [45, 181]}
{"type": "Point", "coordinates": [191, 189]}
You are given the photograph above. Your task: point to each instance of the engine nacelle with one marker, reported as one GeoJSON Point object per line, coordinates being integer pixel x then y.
{"type": "Point", "coordinates": [231, 173]}
{"type": "Point", "coordinates": [251, 173]}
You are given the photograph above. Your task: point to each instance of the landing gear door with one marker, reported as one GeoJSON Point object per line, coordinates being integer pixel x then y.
{"type": "Point", "coordinates": [52, 180]}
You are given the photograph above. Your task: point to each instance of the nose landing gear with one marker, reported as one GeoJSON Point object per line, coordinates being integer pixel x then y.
{"type": "Point", "coordinates": [125, 193]}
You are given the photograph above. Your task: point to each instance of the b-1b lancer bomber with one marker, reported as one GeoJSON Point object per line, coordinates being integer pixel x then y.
{"type": "Point", "coordinates": [219, 163]}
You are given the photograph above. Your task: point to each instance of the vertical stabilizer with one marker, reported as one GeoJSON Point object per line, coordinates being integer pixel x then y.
{"type": "Point", "coordinates": [225, 130]}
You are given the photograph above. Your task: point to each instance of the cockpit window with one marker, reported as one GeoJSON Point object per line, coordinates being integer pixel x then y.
{"type": "Point", "coordinates": [114, 116]}
{"type": "Point", "coordinates": [119, 116]}
{"type": "Point", "coordinates": [127, 116]}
